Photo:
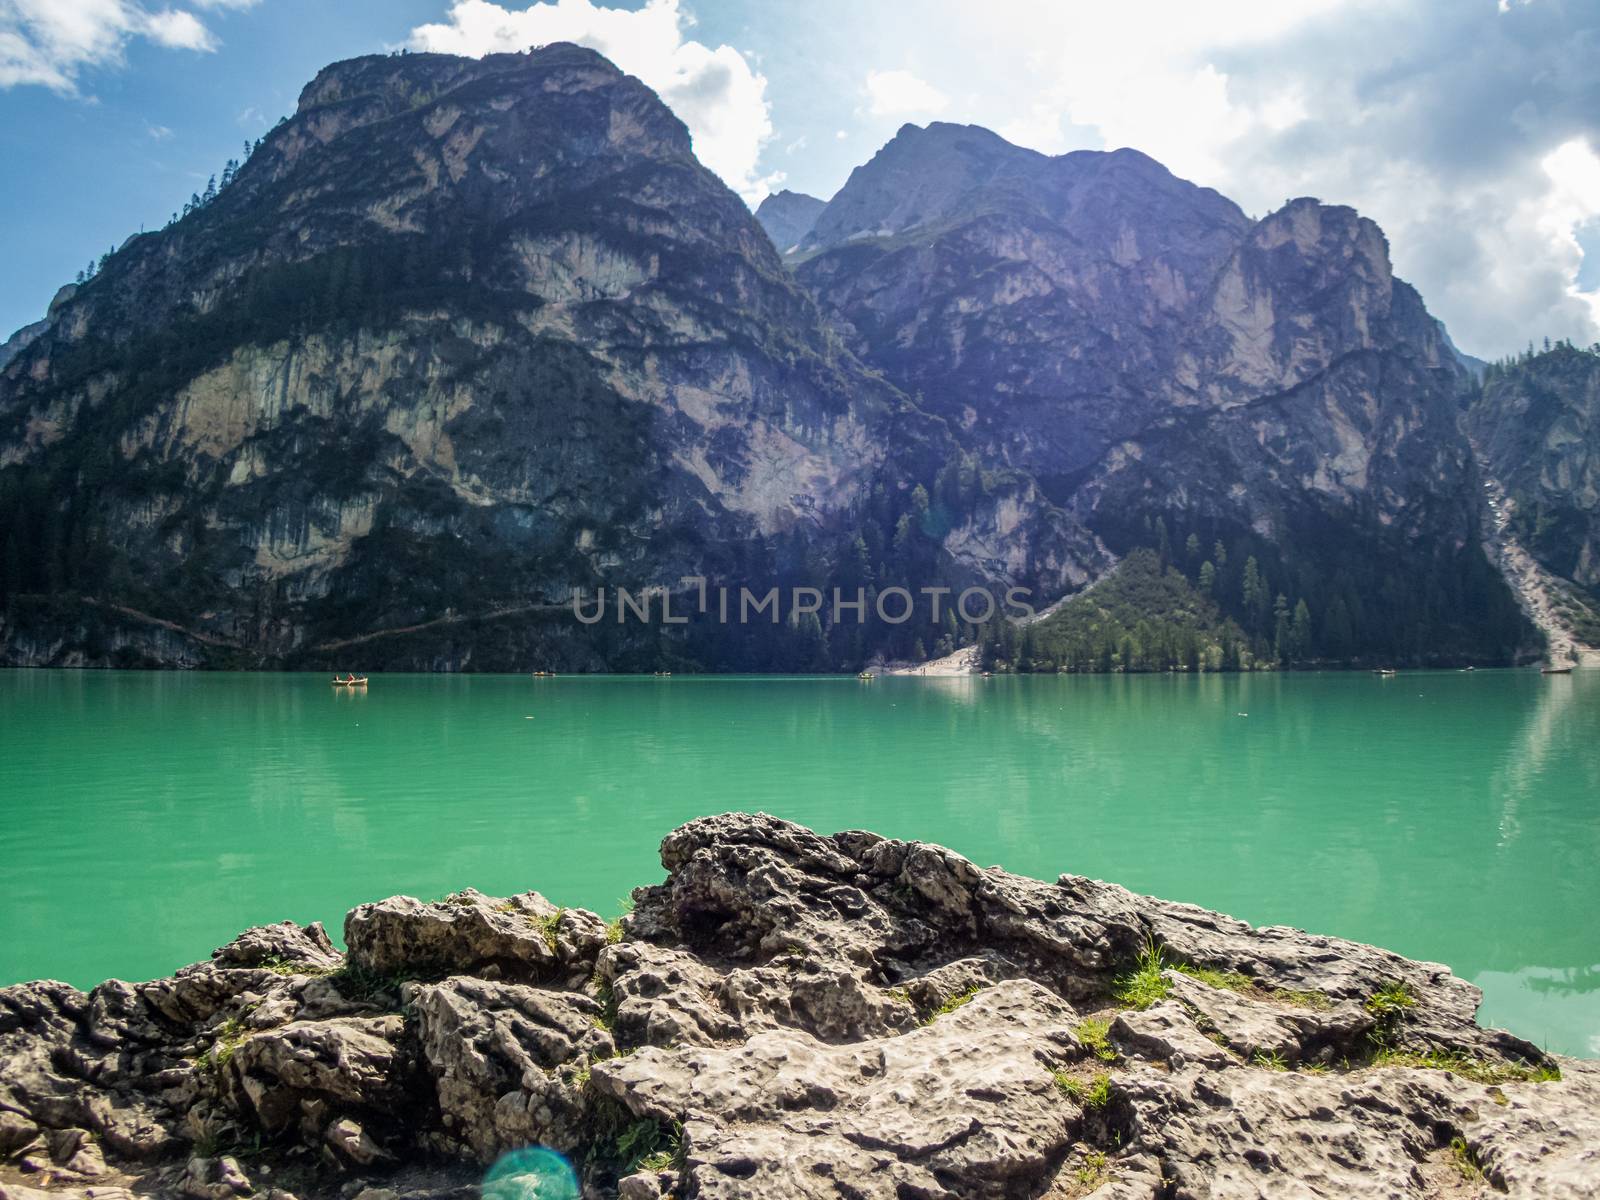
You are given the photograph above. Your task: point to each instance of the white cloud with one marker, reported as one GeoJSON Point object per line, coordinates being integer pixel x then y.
{"type": "Point", "coordinates": [902, 94]}
{"type": "Point", "coordinates": [1143, 73]}
{"type": "Point", "coordinates": [716, 92]}
{"type": "Point", "coordinates": [48, 43]}
{"type": "Point", "coordinates": [1571, 203]}
{"type": "Point", "coordinates": [159, 133]}
{"type": "Point", "coordinates": [1470, 135]}
{"type": "Point", "coordinates": [182, 30]}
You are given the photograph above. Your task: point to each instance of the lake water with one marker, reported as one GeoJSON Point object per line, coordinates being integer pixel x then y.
{"type": "Point", "coordinates": [145, 818]}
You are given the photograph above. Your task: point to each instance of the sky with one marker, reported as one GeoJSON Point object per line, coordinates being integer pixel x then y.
{"type": "Point", "coordinates": [1468, 129]}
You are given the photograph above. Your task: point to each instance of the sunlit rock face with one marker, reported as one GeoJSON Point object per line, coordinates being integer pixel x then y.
{"type": "Point", "coordinates": [465, 337]}
{"type": "Point", "coordinates": [1142, 349]}
{"type": "Point", "coordinates": [1125, 335]}
{"type": "Point", "coordinates": [1538, 425]}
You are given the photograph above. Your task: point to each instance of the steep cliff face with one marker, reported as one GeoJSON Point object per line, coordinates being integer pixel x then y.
{"type": "Point", "coordinates": [462, 336]}
{"type": "Point", "coordinates": [1146, 351]}
{"type": "Point", "coordinates": [21, 340]}
{"type": "Point", "coordinates": [1537, 422]}
{"type": "Point", "coordinates": [466, 336]}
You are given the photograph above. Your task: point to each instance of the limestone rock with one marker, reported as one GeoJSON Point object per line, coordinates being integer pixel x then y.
{"type": "Point", "coordinates": [969, 1097]}
{"type": "Point", "coordinates": [353, 1144]}
{"type": "Point", "coordinates": [664, 997]}
{"type": "Point", "coordinates": [793, 1016]}
{"type": "Point", "coordinates": [1165, 1033]}
{"type": "Point", "coordinates": [299, 1073]}
{"type": "Point", "coordinates": [75, 1151]}
{"type": "Point", "coordinates": [284, 945]}
{"type": "Point", "coordinates": [214, 1179]}
{"type": "Point", "coordinates": [641, 1185]}
{"type": "Point", "coordinates": [505, 1060]}
{"type": "Point", "coordinates": [1281, 1028]}
{"type": "Point", "coordinates": [523, 938]}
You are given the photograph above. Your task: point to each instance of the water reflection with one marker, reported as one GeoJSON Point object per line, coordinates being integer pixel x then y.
{"type": "Point", "coordinates": [149, 817]}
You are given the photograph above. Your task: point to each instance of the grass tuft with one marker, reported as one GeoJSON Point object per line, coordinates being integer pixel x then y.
{"type": "Point", "coordinates": [1231, 981]}
{"type": "Point", "coordinates": [1235, 981]}
{"type": "Point", "coordinates": [1095, 1094]}
{"type": "Point", "coordinates": [953, 1003]}
{"type": "Point", "coordinates": [1390, 1000]}
{"type": "Point", "coordinates": [614, 929]}
{"type": "Point", "coordinates": [646, 1146]}
{"type": "Point", "coordinates": [607, 995]}
{"type": "Point", "coordinates": [1479, 1070]}
{"type": "Point", "coordinates": [1094, 1171]}
{"type": "Point", "coordinates": [279, 965]}
{"type": "Point", "coordinates": [230, 1035]}
{"type": "Point", "coordinates": [550, 927]}
{"type": "Point", "coordinates": [1270, 1060]}
{"type": "Point", "coordinates": [1095, 1037]}
{"type": "Point", "coordinates": [1144, 985]}
{"type": "Point", "coordinates": [1302, 999]}
{"type": "Point", "coordinates": [1465, 1160]}
{"type": "Point", "coordinates": [356, 982]}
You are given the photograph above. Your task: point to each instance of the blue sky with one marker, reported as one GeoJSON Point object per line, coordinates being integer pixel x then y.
{"type": "Point", "coordinates": [1469, 129]}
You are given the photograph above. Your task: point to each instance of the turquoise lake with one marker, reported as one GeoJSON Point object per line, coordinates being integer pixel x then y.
{"type": "Point", "coordinates": [146, 818]}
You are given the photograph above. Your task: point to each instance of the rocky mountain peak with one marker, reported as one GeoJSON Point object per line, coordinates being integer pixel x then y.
{"type": "Point", "coordinates": [788, 216]}
{"type": "Point", "coordinates": [465, 336]}
{"type": "Point", "coordinates": [405, 80]}
{"type": "Point", "coordinates": [920, 177]}
{"type": "Point", "coordinates": [419, 145]}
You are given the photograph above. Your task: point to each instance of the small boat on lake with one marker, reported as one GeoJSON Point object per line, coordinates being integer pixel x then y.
{"type": "Point", "coordinates": [1555, 670]}
{"type": "Point", "coordinates": [867, 675]}
{"type": "Point", "coordinates": [1385, 671]}
{"type": "Point", "coordinates": [350, 681]}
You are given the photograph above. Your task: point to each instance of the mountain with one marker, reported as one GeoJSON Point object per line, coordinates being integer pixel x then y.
{"type": "Point", "coordinates": [1150, 354]}
{"type": "Point", "coordinates": [466, 339]}
{"type": "Point", "coordinates": [1536, 422]}
{"type": "Point", "coordinates": [20, 341]}
{"type": "Point", "coordinates": [788, 216]}
{"type": "Point", "coordinates": [461, 337]}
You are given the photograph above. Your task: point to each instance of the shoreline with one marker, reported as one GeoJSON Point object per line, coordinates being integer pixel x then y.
{"type": "Point", "coordinates": [954, 665]}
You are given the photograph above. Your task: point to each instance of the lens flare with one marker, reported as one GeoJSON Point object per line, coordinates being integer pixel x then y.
{"type": "Point", "coordinates": [531, 1174]}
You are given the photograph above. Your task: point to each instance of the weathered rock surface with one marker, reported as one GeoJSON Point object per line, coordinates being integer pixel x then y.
{"type": "Point", "coordinates": [792, 1015]}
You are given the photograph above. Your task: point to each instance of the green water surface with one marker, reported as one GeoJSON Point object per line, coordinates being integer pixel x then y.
{"type": "Point", "coordinates": [146, 818]}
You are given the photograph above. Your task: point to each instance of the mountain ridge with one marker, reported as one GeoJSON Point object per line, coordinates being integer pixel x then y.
{"type": "Point", "coordinates": [461, 334]}
{"type": "Point", "coordinates": [475, 336]}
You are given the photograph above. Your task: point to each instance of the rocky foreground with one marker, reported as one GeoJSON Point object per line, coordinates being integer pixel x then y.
{"type": "Point", "coordinates": [790, 1015]}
